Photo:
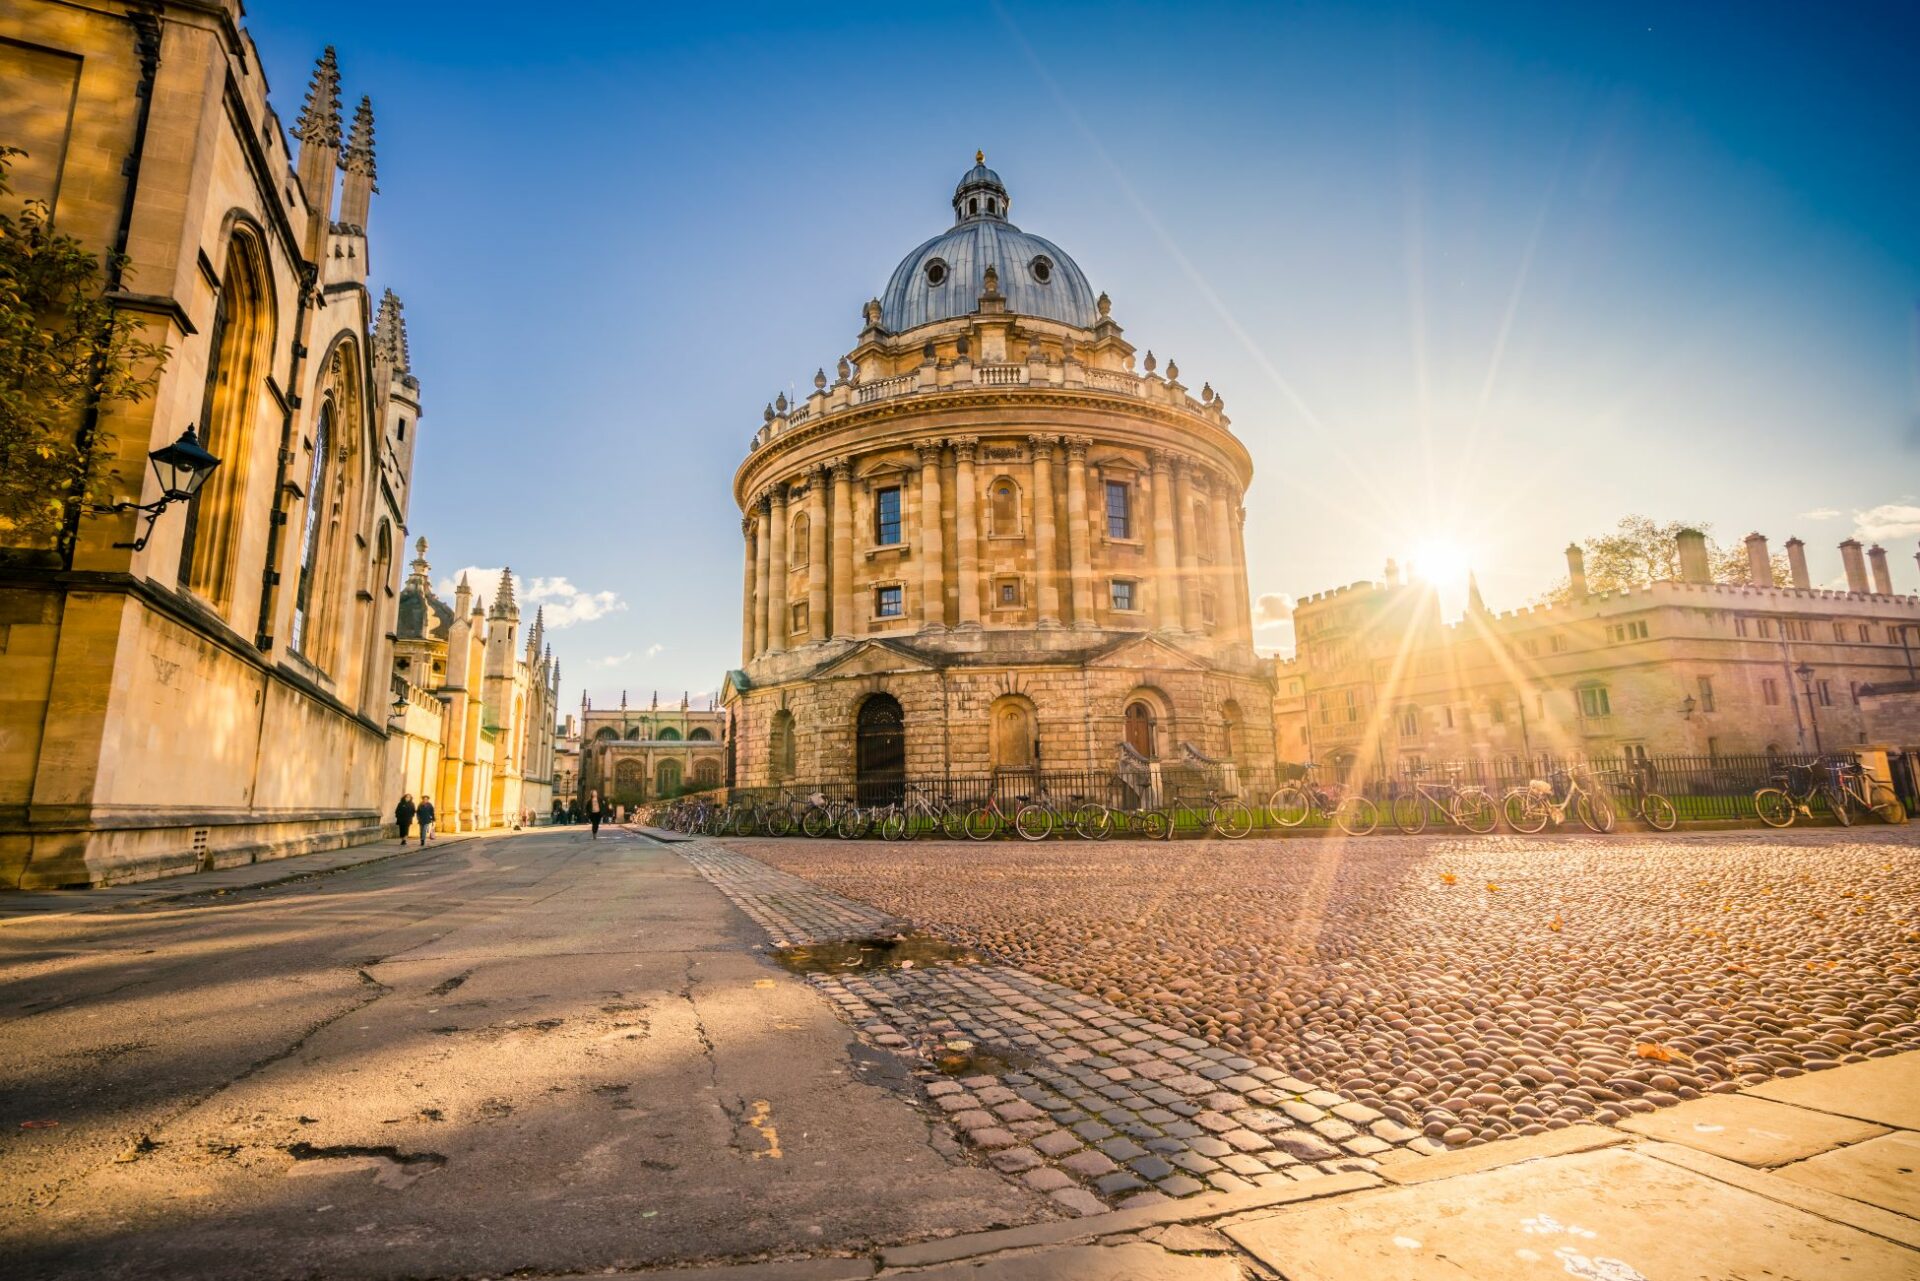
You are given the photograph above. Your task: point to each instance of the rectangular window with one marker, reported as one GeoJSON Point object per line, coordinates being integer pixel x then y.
{"type": "Point", "coordinates": [1409, 722]}
{"type": "Point", "coordinates": [1206, 608]}
{"type": "Point", "coordinates": [800, 619]}
{"type": "Point", "coordinates": [1865, 636]}
{"type": "Point", "coordinates": [1706, 693]}
{"type": "Point", "coordinates": [888, 602]}
{"type": "Point", "coordinates": [1353, 708]}
{"type": "Point", "coordinates": [1122, 593]}
{"type": "Point", "coordinates": [1739, 625]}
{"type": "Point", "coordinates": [1840, 632]}
{"type": "Point", "coordinates": [1764, 626]}
{"type": "Point", "coordinates": [1594, 702]}
{"type": "Point", "coordinates": [1119, 509]}
{"type": "Point", "coordinates": [1532, 646]}
{"type": "Point", "coordinates": [886, 517]}
{"type": "Point", "coordinates": [1769, 691]}
{"type": "Point", "coordinates": [1713, 749]}
{"type": "Point", "coordinates": [1557, 643]}
{"type": "Point", "coordinates": [1497, 712]}
{"type": "Point", "coordinates": [1825, 690]}
{"type": "Point", "coordinates": [1448, 713]}
{"type": "Point", "coordinates": [1009, 592]}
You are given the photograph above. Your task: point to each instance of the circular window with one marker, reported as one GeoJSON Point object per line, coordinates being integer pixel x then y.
{"type": "Point", "coordinates": [1042, 270]}
{"type": "Point", "coordinates": [936, 272]}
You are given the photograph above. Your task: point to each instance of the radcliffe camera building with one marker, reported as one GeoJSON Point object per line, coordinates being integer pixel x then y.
{"type": "Point", "coordinates": [221, 694]}
{"type": "Point", "coordinates": [994, 540]}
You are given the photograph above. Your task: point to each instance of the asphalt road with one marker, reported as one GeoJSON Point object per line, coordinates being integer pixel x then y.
{"type": "Point", "coordinates": [537, 1052]}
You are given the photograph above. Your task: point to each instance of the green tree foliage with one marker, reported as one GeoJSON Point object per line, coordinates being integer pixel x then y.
{"type": "Point", "coordinates": [1640, 550]}
{"type": "Point", "coordinates": [63, 347]}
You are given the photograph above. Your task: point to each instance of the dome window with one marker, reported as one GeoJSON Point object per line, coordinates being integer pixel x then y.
{"type": "Point", "coordinates": [1042, 269]}
{"type": "Point", "coordinates": [973, 205]}
{"type": "Point", "coordinates": [937, 273]}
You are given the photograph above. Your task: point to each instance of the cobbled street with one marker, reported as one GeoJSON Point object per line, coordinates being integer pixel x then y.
{"type": "Point", "coordinates": [1469, 989]}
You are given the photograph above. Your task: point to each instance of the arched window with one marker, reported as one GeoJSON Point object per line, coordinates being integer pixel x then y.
{"type": "Point", "coordinates": [237, 348]}
{"type": "Point", "coordinates": [303, 599]}
{"type": "Point", "coordinates": [797, 542]}
{"type": "Point", "coordinates": [700, 734]}
{"type": "Point", "coordinates": [1142, 729]}
{"type": "Point", "coordinates": [1202, 530]}
{"type": "Point", "coordinates": [1012, 743]}
{"type": "Point", "coordinates": [669, 735]}
{"type": "Point", "coordinates": [607, 734]}
{"type": "Point", "coordinates": [666, 778]}
{"type": "Point", "coordinates": [629, 780]}
{"type": "Point", "coordinates": [1003, 510]}
{"type": "Point", "coordinates": [706, 774]}
{"type": "Point", "coordinates": [781, 747]}
{"type": "Point", "coordinates": [379, 581]}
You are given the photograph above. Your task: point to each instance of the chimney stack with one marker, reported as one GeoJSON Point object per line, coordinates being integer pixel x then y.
{"type": "Point", "coordinates": [1882, 573]}
{"type": "Point", "coordinates": [1693, 556]}
{"type": "Point", "coordinates": [1797, 564]}
{"type": "Point", "coordinates": [1759, 563]}
{"type": "Point", "coordinates": [1856, 565]}
{"type": "Point", "coordinates": [1577, 571]}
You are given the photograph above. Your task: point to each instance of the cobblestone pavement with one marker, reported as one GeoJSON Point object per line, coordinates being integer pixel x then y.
{"type": "Point", "coordinates": [1091, 1104]}
{"type": "Point", "coordinates": [1470, 989]}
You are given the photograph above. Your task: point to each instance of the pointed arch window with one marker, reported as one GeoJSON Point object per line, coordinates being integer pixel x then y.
{"type": "Point", "coordinates": [303, 601]}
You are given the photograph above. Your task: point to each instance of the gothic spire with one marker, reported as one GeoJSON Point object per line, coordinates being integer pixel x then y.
{"type": "Point", "coordinates": [1475, 605]}
{"type": "Point", "coordinates": [390, 334]}
{"type": "Point", "coordinates": [504, 606]}
{"type": "Point", "coordinates": [319, 120]}
{"type": "Point", "coordinates": [358, 156]}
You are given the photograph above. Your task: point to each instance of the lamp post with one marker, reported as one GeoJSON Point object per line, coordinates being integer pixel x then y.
{"type": "Point", "coordinates": [181, 468]}
{"type": "Point", "coordinates": [1805, 673]}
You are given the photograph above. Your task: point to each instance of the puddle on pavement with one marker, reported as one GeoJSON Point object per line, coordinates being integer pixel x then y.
{"type": "Point", "coordinates": [900, 952]}
{"type": "Point", "coordinates": [963, 1058]}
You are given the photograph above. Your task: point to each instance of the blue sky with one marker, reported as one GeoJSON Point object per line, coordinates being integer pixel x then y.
{"type": "Point", "coordinates": [1478, 276]}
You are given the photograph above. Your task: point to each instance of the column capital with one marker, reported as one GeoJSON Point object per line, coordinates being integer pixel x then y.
{"type": "Point", "coordinates": [929, 451]}
{"type": "Point", "coordinates": [816, 471]}
{"type": "Point", "coordinates": [777, 493]}
{"type": "Point", "coordinates": [842, 468]}
{"type": "Point", "coordinates": [746, 524]}
{"type": "Point", "coordinates": [963, 447]}
{"type": "Point", "coordinates": [1186, 463]}
{"type": "Point", "coordinates": [1160, 459]}
{"type": "Point", "coordinates": [1043, 445]}
{"type": "Point", "coordinates": [1077, 447]}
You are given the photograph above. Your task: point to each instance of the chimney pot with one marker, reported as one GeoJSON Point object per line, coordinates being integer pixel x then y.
{"type": "Point", "coordinates": [1692, 546]}
{"type": "Point", "coordinates": [1882, 572]}
{"type": "Point", "coordinates": [1797, 564]}
{"type": "Point", "coordinates": [1856, 565]}
{"type": "Point", "coordinates": [1759, 561]}
{"type": "Point", "coordinates": [1576, 571]}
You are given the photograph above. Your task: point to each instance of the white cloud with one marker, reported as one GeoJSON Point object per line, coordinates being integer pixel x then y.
{"type": "Point", "coordinates": [655, 650]}
{"type": "Point", "coordinates": [1886, 522]}
{"type": "Point", "coordinates": [1821, 513]}
{"type": "Point", "coordinates": [612, 660]}
{"type": "Point", "coordinates": [560, 602]}
{"type": "Point", "coordinates": [1273, 609]}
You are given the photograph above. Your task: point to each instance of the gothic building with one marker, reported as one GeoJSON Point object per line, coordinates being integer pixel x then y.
{"type": "Point", "coordinates": [633, 755]}
{"type": "Point", "coordinates": [220, 694]}
{"type": "Point", "coordinates": [474, 705]}
{"type": "Point", "coordinates": [993, 540]}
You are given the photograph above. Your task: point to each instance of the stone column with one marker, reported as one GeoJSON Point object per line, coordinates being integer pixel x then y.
{"type": "Point", "coordinates": [1079, 561]}
{"type": "Point", "coordinates": [777, 578]}
{"type": "Point", "coordinates": [1189, 543]}
{"type": "Point", "coordinates": [1226, 597]}
{"type": "Point", "coordinates": [817, 552]}
{"type": "Point", "coordinates": [1045, 562]}
{"type": "Point", "coordinates": [762, 576]}
{"type": "Point", "coordinates": [1240, 582]}
{"type": "Point", "coordinates": [843, 622]}
{"type": "Point", "coordinates": [747, 596]}
{"type": "Point", "coordinates": [933, 585]}
{"type": "Point", "coordinates": [1166, 585]}
{"type": "Point", "coordinates": [966, 531]}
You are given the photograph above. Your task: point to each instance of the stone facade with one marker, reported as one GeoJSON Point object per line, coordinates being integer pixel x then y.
{"type": "Point", "coordinates": [635, 755]}
{"type": "Point", "coordinates": [222, 694]}
{"type": "Point", "coordinates": [990, 540]}
{"type": "Point", "coordinates": [488, 758]}
{"type": "Point", "coordinates": [1682, 667]}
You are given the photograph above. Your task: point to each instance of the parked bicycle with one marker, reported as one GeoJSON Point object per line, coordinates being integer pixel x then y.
{"type": "Point", "coordinates": [1842, 785]}
{"type": "Point", "coordinates": [1033, 822]}
{"type": "Point", "coordinates": [1568, 791]}
{"type": "Point", "coordinates": [1468, 807]}
{"type": "Point", "coordinates": [1634, 787]}
{"type": "Point", "coordinates": [1294, 803]}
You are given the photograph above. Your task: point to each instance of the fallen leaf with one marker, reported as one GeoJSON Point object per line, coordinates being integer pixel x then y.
{"type": "Point", "coordinates": [1555, 923]}
{"type": "Point", "coordinates": [1492, 888]}
{"type": "Point", "coordinates": [1448, 878]}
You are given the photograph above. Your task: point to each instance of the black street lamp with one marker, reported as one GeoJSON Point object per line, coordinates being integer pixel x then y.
{"type": "Point", "coordinates": [181, 468]}
{"type": "Point", "coordinates": [1805, 673]}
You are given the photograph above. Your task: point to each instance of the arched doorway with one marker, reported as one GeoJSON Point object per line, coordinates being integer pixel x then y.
{"type": "Point", "coordinates": [880, 751]}
{"type": "Point", "coordinates": [1142, 729]}
{"type": "Point", "coordinates": [1011, 743]}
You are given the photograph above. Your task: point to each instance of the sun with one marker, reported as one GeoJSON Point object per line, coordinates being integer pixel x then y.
{"type": "Point", "coordinates": [1442, 561]}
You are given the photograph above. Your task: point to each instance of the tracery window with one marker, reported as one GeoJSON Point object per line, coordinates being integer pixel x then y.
{"type": "Point", "coordinates": [310, 536]}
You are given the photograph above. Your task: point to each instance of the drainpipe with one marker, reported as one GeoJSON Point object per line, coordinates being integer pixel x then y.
{"type": "Point", "coordinates": [146, 36]}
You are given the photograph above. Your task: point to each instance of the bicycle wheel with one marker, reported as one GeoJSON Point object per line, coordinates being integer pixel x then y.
{"type": "Point", "coordinates": [778, 822]}
{"type": "Point", "coordinates": [1658, 812]}
{"type": "Point", "coordinates": [1410, 814]}
{"type": "Point", "coordinates": [1356, 815]}
{"type": "Point", "coordinates": [1886, 806]}
{"type": "Point", "coordinates": [1234, 820]}
{"type": "Point", "coordinates": [1774, 807]}
{"type": "Point", "coordinates": [816, 822]}
{"type": "Point", "coordinates": [1033, 821]}
{"type": "Point", "coordinates": [980, 823]}
{"type": "Point", "coordinates": [1840, 804]}
{"type": "Point", "coordinates": [953, 822]}
{"type": "Point", "coordinates": [1093, 821]}
{"type": "Point", "coordinates": [853, 823]}
{"type": "Point", "coordinates": [1289, 806]}
{"type": "Point", "coordinates": [892, 825]}
{"type": "Point", "coordinates": [1476, 810]}
{"type": "Point", "coordinates": [1525, 812]}
{"type": "Point", "coordinates": [1595, 811]}
{"type": "Point", "coordinates": [743, 823]}
{"type": "Point", "coordinates": [1168, 821]}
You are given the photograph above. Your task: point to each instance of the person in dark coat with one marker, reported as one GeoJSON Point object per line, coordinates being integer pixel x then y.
{"type": "Point", "coordinates": [403, 815]}
{"type": "Point", "coordinates": [594, 813]}
{"type": "Point", "coordinates": [426, 816]}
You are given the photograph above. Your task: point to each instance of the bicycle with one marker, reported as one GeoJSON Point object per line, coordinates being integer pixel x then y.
{"type": "Point", "coordinates": [1857, 787]}
{"type": "Point", "coordinates": [1469, 807]}
{"type": "Point", "coordinates": [1567, 791]}
{"type": "Point", "coordinates": [1033, 822]}
{"type": "Point", "coordinates": [1293, 803]}
{"type": "Point", "coordinates": [1840, 785]}
{"type": "Point", "coordinates": [820, 817]}
{"type": "Point", "coordinates": [1635, 786]}
{"type": "Point", "coordinates": [1086, 818]}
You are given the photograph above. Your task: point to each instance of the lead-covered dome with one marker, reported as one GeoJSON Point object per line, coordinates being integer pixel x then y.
{"type": "Point", "coordinates": [944, 277]}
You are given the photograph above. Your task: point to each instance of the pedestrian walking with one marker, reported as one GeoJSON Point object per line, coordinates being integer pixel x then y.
{"type": "Point", "coordinates": [425, 815]}
{"type": "Point", "coordinates": [403, 815]}
{"type": "Point", "coordinates": [593, 813]}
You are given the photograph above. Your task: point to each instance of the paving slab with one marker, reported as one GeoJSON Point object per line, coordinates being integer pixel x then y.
{"type": "Point", "coordinates": [1883, 1172]}
{"type": "Point", "coordinates": [1883, 1090]}
{"type": "Point", "coordinates": [1130, 1260]}
{"type": "Point", "coordinates": [1575, 1138]}
{"type": "Point", "coordinates": [1611, 1215]}
{"type": "Point", "coordinates": [1897, 1228]}
{"type": "Point", "coordinates": [1749, 1130]}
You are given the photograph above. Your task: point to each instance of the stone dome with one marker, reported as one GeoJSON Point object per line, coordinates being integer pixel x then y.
{"type": "Point", "coordinates": [943, 278]}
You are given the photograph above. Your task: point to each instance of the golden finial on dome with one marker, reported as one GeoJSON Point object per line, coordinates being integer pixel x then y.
{"type": "Point", "coordinates": [979, 157]}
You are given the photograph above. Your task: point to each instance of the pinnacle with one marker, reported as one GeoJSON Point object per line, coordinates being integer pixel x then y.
{"type": "Point", "coordinates": [358, 156]}
{"type": "Point", "coordinates": [390, 333]}
{"type": "Point", "coordinates": [319, 119]}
